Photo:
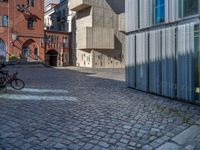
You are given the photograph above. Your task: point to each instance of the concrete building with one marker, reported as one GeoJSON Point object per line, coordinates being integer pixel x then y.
{"type": "Point", "coordinates": [162, 47]}
{"type": "Point", "coordinates": [58, 16]}
{"type": "Point", "coordinates": [49, 11]}
{"type": "Point", "coordinates": [21, 30]}
{"type": "Point", "coordinates": [98, 37]}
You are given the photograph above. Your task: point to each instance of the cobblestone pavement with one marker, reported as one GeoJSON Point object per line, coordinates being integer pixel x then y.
{"type": "Point", "coordinates": [77, 108]}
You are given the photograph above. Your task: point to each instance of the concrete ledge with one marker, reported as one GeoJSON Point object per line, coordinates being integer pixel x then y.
{"type": "Point", "coordinates": [198, 122]}
{"type": "Point", "coordinates": [186, 135]}
{"type": "Point", "coordinates": [169, 146]}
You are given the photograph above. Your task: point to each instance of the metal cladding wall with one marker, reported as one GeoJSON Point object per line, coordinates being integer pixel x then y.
{"type": "Point", "coordinates": [131, 15]}
{"type": "Point", "coordinates": [144, 13]}
{"type": "Point", "coordinates": [155, 61]}
{"type": "Point", "coordinates": [162, 61]}
{"type": "Point", "coordinates": [130, 60]}
{"type": "Point", "coordinates": [142, 61]}
{"type": "Point", "coordinates": [185, 64]}
{"type": "Point", "coordinates": [163, 57]}
{"type": "Point", "coordinates": [171, 11]}
{"type": "Point", "coordinates": [168, 62]}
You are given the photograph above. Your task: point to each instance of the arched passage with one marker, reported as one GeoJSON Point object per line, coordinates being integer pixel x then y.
{"type": "Point", "coordinates": [51, 57]}
{"type": "Point", "coordinates": [27, 50]}
{"type": "Point", "coordinates": [2, 51]}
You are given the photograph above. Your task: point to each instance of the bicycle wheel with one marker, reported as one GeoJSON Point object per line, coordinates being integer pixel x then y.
{"type": "Point", "coordinates": [17, 84]}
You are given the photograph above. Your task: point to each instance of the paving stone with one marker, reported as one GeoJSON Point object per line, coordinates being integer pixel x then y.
{"type": "Point", "coordinates": [59, 146]}
{"type": "Point", "coordinates": [88, 146]}
{"type": "Point", "coordinates": [127, 127]}
{"type": "Point", "coordinates": [117, 136]}
{"type": "Point", "coordinates": [132, 144]}
{"type": "Point", "coordinates": [103, 144]}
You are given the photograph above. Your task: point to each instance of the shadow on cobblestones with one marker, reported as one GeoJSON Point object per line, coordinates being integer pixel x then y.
{"type": "Point", "coordinates": [105, 115]}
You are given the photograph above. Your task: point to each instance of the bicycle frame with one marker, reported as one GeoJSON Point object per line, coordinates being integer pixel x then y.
{"type": "Point", "coordinates": [8, 79]}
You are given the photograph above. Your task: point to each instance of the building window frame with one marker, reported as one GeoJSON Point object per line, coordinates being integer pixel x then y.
{"type": "Point", "coordinates": [158, 11]}
{"type": "Point", "coordinates": [31, 3]}
{"type": "Point", "coordinates": [4, 21]}
{"type": "Point", "coordinates": [182, 13]}
{"type": "Point", "coordinates": [30, 23]}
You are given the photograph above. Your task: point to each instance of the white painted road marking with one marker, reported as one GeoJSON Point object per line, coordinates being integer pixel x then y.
{"type": "Point", "coordinates": [44, 90]}
{"type": "Point", "coordinates": [41, 94]}
{"type": "Point", "coordinates": [33, 97]}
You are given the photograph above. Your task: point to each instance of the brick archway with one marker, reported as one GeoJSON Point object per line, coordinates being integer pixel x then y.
{"type": "Point", "coordinates": [27, 50]}
{"type": "Point", "coordinates": [52, 57]}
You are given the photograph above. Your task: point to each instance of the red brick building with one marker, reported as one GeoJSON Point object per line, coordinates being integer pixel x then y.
{"type": "Point", "coordinates": [57, 48]}
{"type": "Point", "coordinates": [21, 30]}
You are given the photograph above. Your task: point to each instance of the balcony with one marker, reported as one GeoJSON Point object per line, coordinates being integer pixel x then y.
{"type": "Point", "coordinates": [78, 5]}
{"type": "Point", "coordinates": [95, 38]}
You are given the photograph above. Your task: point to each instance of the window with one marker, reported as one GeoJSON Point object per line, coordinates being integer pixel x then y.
{"type": "Point", "coordinates": [31, 3]}
{"type": "Point", "coordinates": [188, 8]}
{"type": "Point", "coordinates": [4, 21]}
{"type": "Point", "coordinates": [30, 23]}
{"type": "Point", "coordinates": [159, 11]}
{"type": "Point", "coordinates": [65, 42]}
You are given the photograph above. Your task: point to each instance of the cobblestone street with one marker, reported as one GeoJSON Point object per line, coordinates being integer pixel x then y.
{"type": "Point", "coordinates": [76, 108]}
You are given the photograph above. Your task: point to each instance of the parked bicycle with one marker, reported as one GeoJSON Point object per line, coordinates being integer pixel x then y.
{"type": "Point", "coordinates": [12, 80]}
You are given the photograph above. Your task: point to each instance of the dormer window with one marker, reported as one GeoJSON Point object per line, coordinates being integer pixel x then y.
{"type": "Point", "coordinates": [30, 23]}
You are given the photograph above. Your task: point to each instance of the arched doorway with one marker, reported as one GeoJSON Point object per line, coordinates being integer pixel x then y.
{"type": "Point", "coordinates": [25, 53]}
{"type": "Point", "coordinates": [28, 50]}
{"type": "Point", "coordinates": [2, 51]}
{"type": "Point", "coordinates": [52, 57]}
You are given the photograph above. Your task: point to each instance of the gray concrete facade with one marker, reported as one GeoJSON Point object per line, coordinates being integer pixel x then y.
{"type": "Point", "coordinates": [99, 33]}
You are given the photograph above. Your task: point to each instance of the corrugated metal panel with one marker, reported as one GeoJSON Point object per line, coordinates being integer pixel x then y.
{"type": "Point", "coordinates": [155, 61]}
{"type": "Point", "coordinates": [185, 70]}
{"type": "Point", "coordinates": [130, 60]}
{"type": "Point", "coordinates": [168, 84]}
{"type": "Point", "coordinates": [142, 61]}
{"type": "Point", "coordinates": [131, 16]}
{"type": "Point", "coordinates": [171, 10]}
{"type": "Point", "coordinates": [144, 13]}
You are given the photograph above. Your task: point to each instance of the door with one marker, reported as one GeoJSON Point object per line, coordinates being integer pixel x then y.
{"type": "Point", "coordinates": [25, 53]}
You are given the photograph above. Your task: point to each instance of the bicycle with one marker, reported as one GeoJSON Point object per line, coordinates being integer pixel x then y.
{"type": "Point", "coordinates": [12, 80]}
